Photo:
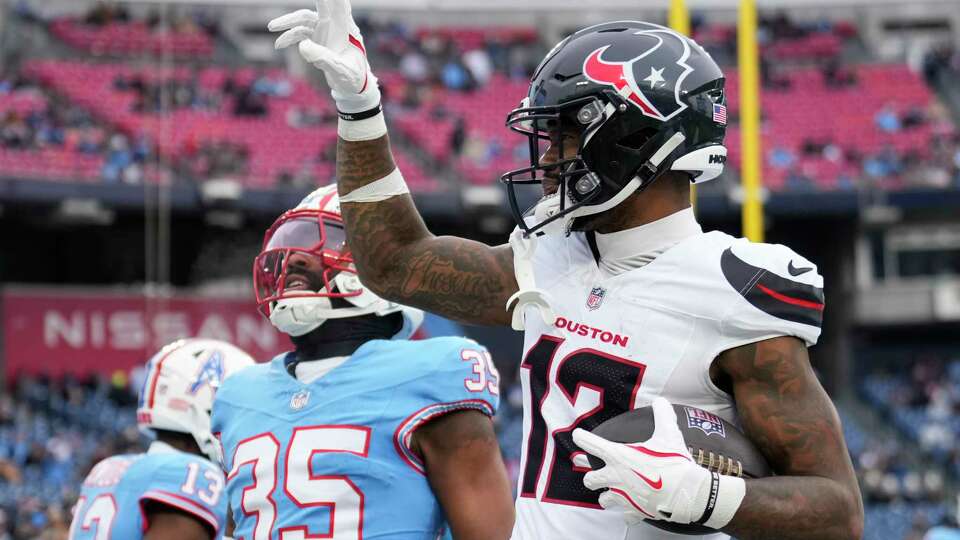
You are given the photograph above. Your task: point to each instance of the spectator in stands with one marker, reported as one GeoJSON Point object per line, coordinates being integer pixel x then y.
{"type": "Point", "coordinates": [122, 164]}
{"type": "Point", "coordinates": [945, 531]}
{"type": "Point", "coordinates": [307, 117]}
{"type": "Point", "coordinates": [411, 96]}
{"type": "Point", "coordinates": [770, 77]}
{"type": "Point", "coordinates": [940, 59]}
{"type": "Point", "coordinates": [781, 157]}
{"type": "Point", "coordinates": [913, 117]}
{"type": "Point", "coordinates": [414, 66]}
{"type": "Point", "coordinates": [247, 101]}
{"type": "Point", "coordinates": [104, 13]}
{"type": "Point", "coordinates": [885, 164]}
{"type": "Point", "coordinates": [886, 119]}
{"type": "Point", "coordinates": [458, 136]}
{"type": "Point", "coordinates": [478, 62]}
{"type": "Point", "coordinates": [836, 76]}
{"type": "Point", "coordinates": [797, 180]}
{"type": "Point", "coordinates": [455, 76]}
{"type": "Point", "coordinates": [276, 86]}
{"type": "Point", "coordinates": [14, 132]}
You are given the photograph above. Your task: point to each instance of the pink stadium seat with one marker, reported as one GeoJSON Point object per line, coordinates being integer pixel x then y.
{"type": "Point", "coordinates": [133, 38]}
{"type": "Point", "coordinates": [273, 145]}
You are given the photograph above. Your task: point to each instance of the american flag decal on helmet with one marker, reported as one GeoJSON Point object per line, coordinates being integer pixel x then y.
{"type": "Point", "coordinates": [720, 113]}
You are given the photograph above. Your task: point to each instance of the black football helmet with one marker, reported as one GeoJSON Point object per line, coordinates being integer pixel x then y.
{"type": "Point", "coordinates": [644, 99]}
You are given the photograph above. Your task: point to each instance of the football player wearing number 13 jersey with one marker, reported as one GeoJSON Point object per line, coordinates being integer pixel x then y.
{"type": "Point", "coordinates": [622, 296]}
{"type": "Point", "coordinates": [358, 432]}
{"type": "Point", "coordinates": [174, 491]}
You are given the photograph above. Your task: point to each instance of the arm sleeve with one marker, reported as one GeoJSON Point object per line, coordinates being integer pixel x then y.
{"type": "Point", "coordinates": [191, 485]}
{"type": "Point", "coordinates": [777, 293]}
{"type": "Point", "coordinates": [463, 377]}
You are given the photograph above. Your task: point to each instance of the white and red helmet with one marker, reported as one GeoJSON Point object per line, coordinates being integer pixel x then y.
{"type": "Point", "coordinates": [305, 274]}
{"type": "Point", "coordinates": [179, 387]}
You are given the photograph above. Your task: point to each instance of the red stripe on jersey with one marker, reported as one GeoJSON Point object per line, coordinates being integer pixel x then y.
{"type": "Point", "coordinates": [791, 300]}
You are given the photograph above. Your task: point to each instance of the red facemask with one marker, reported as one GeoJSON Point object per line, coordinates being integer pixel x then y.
{"type": "Point", "coordinates": [302, 252]}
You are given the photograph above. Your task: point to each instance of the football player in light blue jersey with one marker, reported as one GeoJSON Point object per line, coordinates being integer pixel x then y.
{"type": "Point", "coordinates": [357, 433]}
{"type": "Point", "coordinates": [174, 491]}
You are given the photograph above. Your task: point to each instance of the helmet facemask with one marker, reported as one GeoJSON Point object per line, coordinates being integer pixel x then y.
{"type": "Point", "coordinates": [305, 272]}
{"type": "Point", "coordinates": [600, 176]}
{"type": "Point", "coordinates": [548, 125]}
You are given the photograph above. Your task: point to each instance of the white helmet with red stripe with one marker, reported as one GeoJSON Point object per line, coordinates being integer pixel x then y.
{"type": "Point", "coordinates": [178, 390]}
{"type": "Point", "coordinates": [305, 274]}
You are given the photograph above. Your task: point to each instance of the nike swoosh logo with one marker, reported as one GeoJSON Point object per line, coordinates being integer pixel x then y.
{"type": "Point", "coordinates": [655, 485]}
{"type": "Point", "coordinates": [794, 271]}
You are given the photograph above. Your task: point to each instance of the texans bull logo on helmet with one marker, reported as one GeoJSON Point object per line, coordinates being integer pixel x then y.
{"type": "Point", "coordinates": [653, 87]}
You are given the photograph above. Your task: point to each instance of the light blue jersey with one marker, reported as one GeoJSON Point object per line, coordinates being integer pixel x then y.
{"type": "Point", "coordinates": [332, 458]}
{"type": "Point", "coordinates": [118, 488]}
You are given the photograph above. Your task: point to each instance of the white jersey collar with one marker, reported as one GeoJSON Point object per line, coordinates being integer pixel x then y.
{"type": "Point", "coordinates": [307, 372]}
{"type": "Point", "coordinates": [160, 447]}
{"type": "Point", "coordinates": [634, 248]}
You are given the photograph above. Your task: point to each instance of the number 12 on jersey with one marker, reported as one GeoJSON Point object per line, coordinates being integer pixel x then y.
{"type": "Point", "coordinates": [613, 383]}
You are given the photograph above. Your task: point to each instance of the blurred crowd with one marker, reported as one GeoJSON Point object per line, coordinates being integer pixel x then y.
{"type": "Point", "coordinates": [921, 401]}
{"type": "Point", "coordinates": [461, 59]}
{"type": "Point", "coordinates": [54, 122]}
{"type": "Point", "coordinates": [924, 403]}
{"type": "Point", "coordinates": [422, 67]}
{"type": "Point", "coordinates": [51, 433]}
{"type": "Point", "coordinates": [935, 166]}
{"type": "Point", "coordinates": [941, 59]}
{"type": "Point", "coordinates": [178, 22]}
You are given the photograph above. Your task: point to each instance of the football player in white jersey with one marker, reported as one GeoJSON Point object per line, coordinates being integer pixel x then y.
{"type": "Point", "coordinates": [623, 298]}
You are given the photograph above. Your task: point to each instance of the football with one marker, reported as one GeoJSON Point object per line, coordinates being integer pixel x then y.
{"type": "Point", "coordinates": [715, 444]}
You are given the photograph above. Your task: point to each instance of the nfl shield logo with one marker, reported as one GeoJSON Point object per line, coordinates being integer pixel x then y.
{"type": "Point", "coordinates": [708, 423]}
{"type": "Point", "coordinates": [299, 400]}
{"type": "Point", "coordinates": [596, 297]}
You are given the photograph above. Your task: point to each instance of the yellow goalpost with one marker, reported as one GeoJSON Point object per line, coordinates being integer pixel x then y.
{"type": "Point", "coordinates": [748, 60]}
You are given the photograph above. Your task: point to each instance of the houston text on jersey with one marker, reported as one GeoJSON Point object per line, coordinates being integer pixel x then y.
{"type": "Point", "coordinates": [591, 332]}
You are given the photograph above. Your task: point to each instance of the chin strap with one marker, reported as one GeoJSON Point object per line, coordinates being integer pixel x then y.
{"type": "Point", "coordinates": [528, 294]}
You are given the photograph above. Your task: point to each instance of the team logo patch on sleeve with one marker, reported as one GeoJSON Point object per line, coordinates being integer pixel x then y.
{"type": "Point", "coordinates": [774, 295]}
{"type": "Point", "coordinates": [595, 298]}
{"type": "Point", "coordinates": [709, 424]}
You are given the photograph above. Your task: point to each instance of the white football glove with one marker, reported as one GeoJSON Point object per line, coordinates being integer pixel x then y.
{"type": "Point", "coordinates": [658, 478]}
{"type": "Point", "coordinates": [330, 40]}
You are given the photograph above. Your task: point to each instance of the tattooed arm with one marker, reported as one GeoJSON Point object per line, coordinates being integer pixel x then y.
{"type": "Point", "coordinates": [400, 260]}
{"type": "Point", "coordinates": [788, 415]}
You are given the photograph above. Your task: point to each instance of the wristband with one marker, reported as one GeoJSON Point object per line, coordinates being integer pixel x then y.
{"type": "Point", "coordinates": [365, 128]}
{"type": "Point", "coordinates": [362, 115]}
{"type": "Point", "coordinates": [390, 185]}
{"type": "Point", "coordinates": [723, 501]}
